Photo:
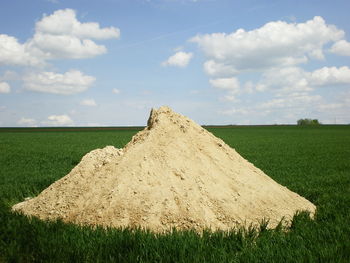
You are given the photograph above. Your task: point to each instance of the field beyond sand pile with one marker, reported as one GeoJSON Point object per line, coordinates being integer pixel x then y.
{"type": "Point", "coordinates": [172, 174]}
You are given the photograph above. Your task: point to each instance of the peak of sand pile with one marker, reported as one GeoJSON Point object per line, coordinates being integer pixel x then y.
{"type": "Point", "coordinates": [172, 174]}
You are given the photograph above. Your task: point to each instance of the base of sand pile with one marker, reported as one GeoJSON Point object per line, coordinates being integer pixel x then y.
{"type": "Point", "coordinates": [172, 174]}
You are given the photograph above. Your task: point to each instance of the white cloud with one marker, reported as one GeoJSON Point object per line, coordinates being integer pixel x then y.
{"type": "Point", "coordinates": [274, 44]}
{"type": "Point", "coordinates": [64, 22]}
{"type": "Point", "coordinates": [4, 87]}
{"type": "Point", "coordinates": [330, 76]}
{"type": "Point", "coordinates": [341, 47]}
{"type": "Point", "coordinates": [57, 36]}
{"type": "Point", "coordinates": [116, 91]}
{"type": "Point", "coordinates": [58, 120]}
{"type": "Point", "coordinates": [68, 83]}
{"type": "Point", "coordinates": [213, 68]}
{"type": "Point", "coordinates": [269, 60]}
{"type": "Point", "coordinates": [14, 53]}
{"type": "Point", "coordinates": [292, 98]}
{"type": "Point", "coordinates": [88, 102]}
{"type": "Point", "coordinates": [301, 105]}
{"type": "Point", "coordinates": [27, 122]}
{"type": "Point", "coordinates": [287, 80]}
{"type": "Point", "coordinates": [179, 59]}
{"type": "Point", "coordinates": [231, 85]}
{"type": "Point", "coordinates": [65, 46]}
{"type": "Point", "coordinates": [61, 35]}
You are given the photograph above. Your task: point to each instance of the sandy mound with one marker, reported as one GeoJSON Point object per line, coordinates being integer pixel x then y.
{"type": "Point", "coordinates": [174, 173]}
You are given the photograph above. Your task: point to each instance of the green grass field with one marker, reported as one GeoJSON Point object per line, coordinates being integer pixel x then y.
{"type": "Point", "coordinates": [312, 161]}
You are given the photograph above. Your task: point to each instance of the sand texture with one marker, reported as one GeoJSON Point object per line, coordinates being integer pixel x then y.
{"type": "Point", "coordinates": [172, 174]}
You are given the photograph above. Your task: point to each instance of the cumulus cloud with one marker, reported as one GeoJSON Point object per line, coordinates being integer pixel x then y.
{"type": "Point", "coordinates": [57, 36]}
{"type": "Point", "coordinates": [58, 120]}
{"type": "Point", "coordinates": [269, 59]}
{"type": "Point", "coordinates": [231, 85]}
{"type": "Point", "coordinates": [64, 46]}
{"type": "Point", "coordinates": [179, 59]}
{"type": "Point", "coordinates": [213, 68]}
{"type": "Point", "coordinates": [285, 80]}
{"type": "Point", "coordinates": [4, 87]}
{"type": "Point", "coordinates": [295, 79]}
{"type": "Point", "coordinates": [28, 122]}
{"type": "Point", "coordinates": [330, 76]}
{"type": "Point", "coordinates": [68, 83]}
{"type": "Point", "coordinates": [14, 53]}
{"type": "Point", "coordinates": [61, 35]}
{"type": "Point", "coordinates": [274, 44]}
{"type": "Point", "coordinates": [295, 94]}
{"type": "Point", "coordinates": [88, 102]}
{"type": "Point", "coordinates": [64, 22]}
{"type": "Point", "coordinates": [341, 47]}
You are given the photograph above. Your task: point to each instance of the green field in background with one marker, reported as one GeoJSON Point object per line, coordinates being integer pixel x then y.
{"type": "Point", "coordinates": [312, 161]}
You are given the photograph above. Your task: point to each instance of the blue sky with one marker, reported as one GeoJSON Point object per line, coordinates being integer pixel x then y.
{"type": "Point", "coordinates": [108, 62]}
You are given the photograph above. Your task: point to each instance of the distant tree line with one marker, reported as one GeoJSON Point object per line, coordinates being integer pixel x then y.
{"type": "Point", "coordinates": [308, 122]}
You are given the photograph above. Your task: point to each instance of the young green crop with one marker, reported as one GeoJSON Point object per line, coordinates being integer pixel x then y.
{"type": "Point", "coordinates": [312, 161]}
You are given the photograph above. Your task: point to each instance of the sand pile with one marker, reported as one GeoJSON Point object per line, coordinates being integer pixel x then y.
{"type": "Point", "coordinates": [173, 173]}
